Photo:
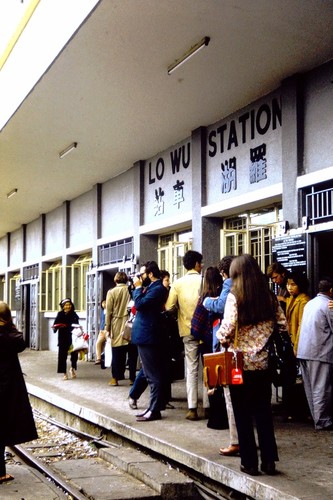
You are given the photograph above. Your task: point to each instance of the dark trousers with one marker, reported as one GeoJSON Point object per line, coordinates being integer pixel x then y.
{"type": "Point", "coordinates": [153, 367]}
{"type": "Point", "coordinates": [139, 386]}
{"type": "Point", "coordinates": [132, 358]}
{"type": "Point", "coordinates": [62, 358]}
{"type": "Point", "coordinates": [119, 356]}
{"type": "Point", "coordinates": [2, 461]}
{"type": "Point", "coordinates": [253, 400]}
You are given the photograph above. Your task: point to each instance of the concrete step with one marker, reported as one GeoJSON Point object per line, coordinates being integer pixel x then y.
{"type": "Point", "coordinates": [101, 480]}
{"type": "Point", "coordinates": [162, 478]}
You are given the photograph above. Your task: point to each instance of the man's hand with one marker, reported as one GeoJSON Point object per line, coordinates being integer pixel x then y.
{"type": "Point", "coordinates": [137, 281]}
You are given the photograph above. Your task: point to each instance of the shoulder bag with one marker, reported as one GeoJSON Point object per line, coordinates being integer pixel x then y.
{"type": "Point", "coordinates": [282, 362]}
{"type": "Point", "coordinates": [127, 331]}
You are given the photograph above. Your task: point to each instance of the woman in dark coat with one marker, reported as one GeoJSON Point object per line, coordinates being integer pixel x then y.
{"type": "Point", "coordinates": [63, 325]}
{"type": "Point", "coordinates": [16, 420]}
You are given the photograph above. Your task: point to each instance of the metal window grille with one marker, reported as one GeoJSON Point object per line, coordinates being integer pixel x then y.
{"type": "Point", "coordinates": [115, 252]}
{"type": "Point", "coordinates": [319, 205]}
{"type": "Point", "coordinates": [31, 272]}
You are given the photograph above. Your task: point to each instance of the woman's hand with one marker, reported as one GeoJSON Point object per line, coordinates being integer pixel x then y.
{"type": "Point", "coordinates": [225, 342]}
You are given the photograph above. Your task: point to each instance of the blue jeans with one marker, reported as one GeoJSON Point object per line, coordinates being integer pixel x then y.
{"type": "Point", "coordinates": [139, 386]}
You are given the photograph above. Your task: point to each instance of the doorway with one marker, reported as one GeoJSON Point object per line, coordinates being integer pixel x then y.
{"type": "Point", "coordinates": [320, 262]}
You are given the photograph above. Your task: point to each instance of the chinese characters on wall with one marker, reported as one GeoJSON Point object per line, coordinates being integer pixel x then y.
{"type": "Point", "coordinates": [170, 172]}
{"type": "Point", "coordinates": [236, 150]}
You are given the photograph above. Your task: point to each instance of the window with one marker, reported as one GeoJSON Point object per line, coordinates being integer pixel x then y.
{"type": "Point", "coordinates": [51, 288]}
{"type": "Point", "coordinates": [79, 272]}
{"type": "Point", "coordinates": [318, 203]}
{"type": "Point", "coordinates": [31, 272]}
{"type": "Point", "coordinates": [171, 250]}
{"type": "Point", "coordinates": [251, 233]}
{"type": "Point", "coordinates": [15, 292]}
{"type": "Point", "coordinates": [2, 288]}
{"type": "Point", "coordinates": [118, 251]}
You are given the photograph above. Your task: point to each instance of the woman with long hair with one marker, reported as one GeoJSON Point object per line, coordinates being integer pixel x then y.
{"type": "Point", "coordinates": [251, 309]}
{"type": "Point", "coordinates": [209, 321]}
{"type": "Point", "coordinates": [297, 286]}
{"type": "Point", "coordinates": [293, 395]}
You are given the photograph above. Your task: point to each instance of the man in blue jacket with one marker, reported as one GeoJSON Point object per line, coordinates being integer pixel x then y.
{"type": "Point", "coordinates": [149, 298]}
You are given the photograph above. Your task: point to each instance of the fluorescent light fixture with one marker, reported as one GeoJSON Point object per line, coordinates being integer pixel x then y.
{"type": "Point", "coordinates": [193, 50]}
{"type": "Point", "coordinates": [11, 193]}
{"type": "Point", "coordinates": [70, 148]}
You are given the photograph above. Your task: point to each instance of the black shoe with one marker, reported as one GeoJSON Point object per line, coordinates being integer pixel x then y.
{"type": "Point", "coordinates": [268, 468]}
{"type": "Point", "coordinates": [252, 471]}
{"type": "Point", "coordinates": [149, 418]}
{"type": "Point", "coordinates": [327, 428]}
{"type": "Point", "coordinates": [132, 403]}
{"type": "Point", "coordinates": [143, 413]}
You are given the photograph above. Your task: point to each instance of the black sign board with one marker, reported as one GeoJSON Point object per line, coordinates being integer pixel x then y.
{"type": "Point", "coordinates": [290, 251]}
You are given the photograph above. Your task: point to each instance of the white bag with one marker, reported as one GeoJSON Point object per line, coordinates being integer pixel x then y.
{"type": "Point", "coordinates": [79, 339]}
{"type": "Point", "coordinates": [107, 353]}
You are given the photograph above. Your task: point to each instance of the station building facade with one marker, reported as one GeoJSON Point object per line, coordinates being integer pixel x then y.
{"type": "Point", "coordinates": [261, 175]}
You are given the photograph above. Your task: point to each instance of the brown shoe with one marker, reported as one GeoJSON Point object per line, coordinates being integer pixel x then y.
{"type": "Point", "coordinates": [113, 382]}
{"type": "Point", "coordinates": [192, 414]}
{"type": "Point", "coordinates": [231, 451]}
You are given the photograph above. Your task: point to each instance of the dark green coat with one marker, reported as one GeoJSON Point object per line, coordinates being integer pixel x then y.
{"type": "Point", "coordinates": [16, 420]}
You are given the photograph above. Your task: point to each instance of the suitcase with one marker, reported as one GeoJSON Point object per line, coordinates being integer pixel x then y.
{"type": "Point", "coordinates": [218, 367]}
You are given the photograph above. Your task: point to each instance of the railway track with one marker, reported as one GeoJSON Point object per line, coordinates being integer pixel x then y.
{"type": "Point", "coordinates": [70, 491]}
{"type": "Point", "coordinates": [56, 443]}
{"type": "Point", "coordinates": [64, 456]}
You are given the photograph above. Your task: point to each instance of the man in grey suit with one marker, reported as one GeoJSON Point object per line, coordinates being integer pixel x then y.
{"type": "Point", "coordinates": [315, 352]}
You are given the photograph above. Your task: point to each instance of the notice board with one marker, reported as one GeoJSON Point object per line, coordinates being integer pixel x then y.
{"type": "Point", "coordinates": [290, 251]}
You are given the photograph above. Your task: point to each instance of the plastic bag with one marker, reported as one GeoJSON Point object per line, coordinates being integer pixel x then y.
{"type": "Point", "coordinates": [107, 353]}
{"type": "Point", "coordinates": [79, 338]}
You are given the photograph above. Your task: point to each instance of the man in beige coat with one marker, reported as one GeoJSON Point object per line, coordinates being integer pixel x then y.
{"type": "Point", "coordinates": [184, 295]}
{"type": "Point", "coordinates": [117, 300]}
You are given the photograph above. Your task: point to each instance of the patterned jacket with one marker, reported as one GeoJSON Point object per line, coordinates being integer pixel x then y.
{"type": "Point", "coordinates": [252, 339]}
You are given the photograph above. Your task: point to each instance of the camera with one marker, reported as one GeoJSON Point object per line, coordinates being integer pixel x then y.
{"type": "Point", "coordinates": [134, 275]}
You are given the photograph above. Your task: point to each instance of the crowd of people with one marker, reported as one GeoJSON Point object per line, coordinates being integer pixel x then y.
{"type": "Point", "coordinates": [202, 313]}
{"type": "Point", "coordinates": [199, 313]}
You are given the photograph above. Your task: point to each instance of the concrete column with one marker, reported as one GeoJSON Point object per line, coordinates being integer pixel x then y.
{"type": "Point", "coordinates": [206, 230]}
{"type": "Point", "coordinates": [97, 221]}
{"type": "Point", "coordinates": [292, 146]}
{"type": "Point", "coordinates": [198, 185]}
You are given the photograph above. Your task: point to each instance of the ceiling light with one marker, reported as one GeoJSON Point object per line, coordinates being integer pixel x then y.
{"type": "Point", "coordinates": [70, 148]}
{"type": "Point", "coordinates": [11, 193]}
{"type": "Point", "coordinates": [193, 50]}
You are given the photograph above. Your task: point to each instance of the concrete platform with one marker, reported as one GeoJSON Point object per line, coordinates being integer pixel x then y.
{"type": "Point", "coordinates": [29, 484]}
{"type": "Point", "coordinates": [305, 454]}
